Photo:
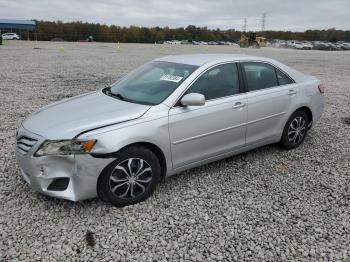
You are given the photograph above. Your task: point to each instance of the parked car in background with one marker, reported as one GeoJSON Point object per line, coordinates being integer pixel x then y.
{"type": "Point", "coordinates": [10, 36]}
{"type": "Point", "coordinates": [332, 46]}
{"type": "Point", "coordinates": [306, 45]}
{"type": "Point", "coordinates": [278, 43]}
{"type": "Point", "coordinates": [232, 44]}
{"type": "Point", "coordinates": [295, 44]}
{"type": "Point", "coordinates": [321, 46]}
{"type": "Point", "coordinates": [300, 45]}
{"type": "Point", "coordinates": [337, 46]}
{"type": "Point", "coordinates": [289, 44]}
{"type": "Point", "coordinates": [345, 46]}
{"type": "Point", "coordinates": [172, 42]}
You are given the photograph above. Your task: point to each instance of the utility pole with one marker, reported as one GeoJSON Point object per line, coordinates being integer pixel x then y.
{"type": "Point", "coordinates": [244, 24]}
{"type": "Point", "coordinates": [263, 22]}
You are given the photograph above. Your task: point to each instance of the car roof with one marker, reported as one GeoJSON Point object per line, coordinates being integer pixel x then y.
{"type": "Point", "coordinates": [201, 59]}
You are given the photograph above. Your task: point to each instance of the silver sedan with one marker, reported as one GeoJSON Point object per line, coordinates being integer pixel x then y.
{"type": "Point", "coordinates": [171, 114]}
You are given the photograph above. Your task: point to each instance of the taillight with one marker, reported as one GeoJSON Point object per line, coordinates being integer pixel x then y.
{"type": "Point", "coordinates": [321, 88]}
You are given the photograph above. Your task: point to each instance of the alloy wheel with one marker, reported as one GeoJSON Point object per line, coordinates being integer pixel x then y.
{"type": "Point", "coordinates": [297, 130]}
{"type": "Point", "coordinates": [130, 178]}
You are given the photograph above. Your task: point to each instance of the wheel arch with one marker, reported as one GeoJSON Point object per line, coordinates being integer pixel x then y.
{"type": "Point", "coordinates": [303, 108]}
{"type": "Point", "coordinates": [151, 146]}
{"type": "Point", "coordinates": [308, 112]}
{"type": "Point", "coordinates": [159, 154]}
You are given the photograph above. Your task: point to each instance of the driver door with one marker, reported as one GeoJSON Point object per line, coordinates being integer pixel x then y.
{"type": "Point", "coordinates": [201, 132]}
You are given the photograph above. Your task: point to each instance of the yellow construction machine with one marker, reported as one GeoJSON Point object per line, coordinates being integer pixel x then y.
{"type": "Point", "coordinates": [252, 41]}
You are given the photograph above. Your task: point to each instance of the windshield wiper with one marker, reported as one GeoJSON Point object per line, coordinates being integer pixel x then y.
{"type": "Point", "coordinates": [119, 96]}
{"type": "Point", "coordinates": [108, 91]}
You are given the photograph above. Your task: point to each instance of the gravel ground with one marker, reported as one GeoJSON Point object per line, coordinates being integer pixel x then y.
{"type": "Point", "coordinates": [267, 204]}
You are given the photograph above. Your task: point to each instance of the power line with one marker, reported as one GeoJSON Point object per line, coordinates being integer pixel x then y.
{"type": "Point", "coordinates": [245, 24]}
{"type": "Point", "coordinates": [263, 22]}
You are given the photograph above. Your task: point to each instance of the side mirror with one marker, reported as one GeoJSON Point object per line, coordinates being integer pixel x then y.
{"type": "Point", "coordinates": [193, 99]}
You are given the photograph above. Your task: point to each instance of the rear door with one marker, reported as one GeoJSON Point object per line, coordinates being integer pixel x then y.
{"type": "Point", "coordinates": [270, 95]}
{"type": "Point", "coordinates": [202, 132]}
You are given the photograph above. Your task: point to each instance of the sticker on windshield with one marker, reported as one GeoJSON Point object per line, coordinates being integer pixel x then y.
{"type": "Point", "coordinates": [171, 78]}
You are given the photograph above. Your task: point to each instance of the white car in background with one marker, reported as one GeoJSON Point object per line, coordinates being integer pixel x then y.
{"type": "Point", "coordinates": [232, 44]}
{"type": "Point", "coordinates": [296, 45]}
{"type": "Point", "coordinates": [10, 36]}
{"type": "Point", "coordinates": [307, 45]}
{"type": "Point", "coordinates": [300, 45]}
{"type": "Point", "coordinates": [173, 42]}
{"type": "Point", "coordinates": [279, 43]}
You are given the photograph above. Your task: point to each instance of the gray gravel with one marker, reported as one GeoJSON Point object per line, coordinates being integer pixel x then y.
{"type": "Point", "coordinates": [268, 204]}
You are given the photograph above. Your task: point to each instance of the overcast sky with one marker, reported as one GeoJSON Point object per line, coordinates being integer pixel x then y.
{"type": "Point", "coordinates": [296, 15]}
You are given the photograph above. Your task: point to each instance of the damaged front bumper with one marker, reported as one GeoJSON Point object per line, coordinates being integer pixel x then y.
{"type": "Point", "coordinates": [71, 177]}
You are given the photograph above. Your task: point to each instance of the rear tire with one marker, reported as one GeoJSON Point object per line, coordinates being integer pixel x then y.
{"type": "Point", "coordinates": [131, 178]}
{"type": "Point", "coordinates": [295, 130]}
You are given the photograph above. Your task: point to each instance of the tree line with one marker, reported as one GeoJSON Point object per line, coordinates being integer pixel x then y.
{"type": "Point", "coordinates": [75, 31]}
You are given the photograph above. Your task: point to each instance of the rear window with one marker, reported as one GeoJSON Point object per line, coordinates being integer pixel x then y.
{"type": "Point", "coordinates": [259, 75]}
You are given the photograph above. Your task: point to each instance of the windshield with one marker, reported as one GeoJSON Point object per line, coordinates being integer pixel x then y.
{"type": "Point", "coordinates": [151, 83]}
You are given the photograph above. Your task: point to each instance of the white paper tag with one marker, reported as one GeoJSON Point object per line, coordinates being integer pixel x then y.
{"type": "Point", "coordinates": [171, 78]}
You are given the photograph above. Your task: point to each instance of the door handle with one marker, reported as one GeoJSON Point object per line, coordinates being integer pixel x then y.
{"type": "Point", "coordinates": [238, 105]}
{"type": "Point", "coordinates": [292, 92]}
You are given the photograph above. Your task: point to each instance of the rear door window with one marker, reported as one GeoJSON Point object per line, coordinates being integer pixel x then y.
{"type": "Point", "coordinates": [259, 75]}
{"type": "Point", "coordinates": [283, 79]}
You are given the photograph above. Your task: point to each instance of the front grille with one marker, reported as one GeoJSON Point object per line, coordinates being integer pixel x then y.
{"type": "Point", "coordinates": [24, 144]}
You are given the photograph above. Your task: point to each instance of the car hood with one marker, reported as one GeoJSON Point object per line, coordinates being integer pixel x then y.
{"type": "Point", "coordinates": [67, 118]}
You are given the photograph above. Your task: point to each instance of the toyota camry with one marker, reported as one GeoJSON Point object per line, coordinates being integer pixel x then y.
{"type": "Point", "coordinates": [169, 115]}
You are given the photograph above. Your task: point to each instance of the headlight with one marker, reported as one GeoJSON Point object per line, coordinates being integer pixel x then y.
{"type": "Point", "coordinates": [65, 147]}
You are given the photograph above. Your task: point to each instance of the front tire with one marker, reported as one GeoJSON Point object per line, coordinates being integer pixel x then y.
{"type": "Point", "coordinates": [295, 130]}
{"type": "Point", "coordinates": [131, 178]}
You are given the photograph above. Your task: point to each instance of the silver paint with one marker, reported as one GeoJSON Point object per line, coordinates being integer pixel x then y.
{"type": "Point", "coordinates": [188, 136]}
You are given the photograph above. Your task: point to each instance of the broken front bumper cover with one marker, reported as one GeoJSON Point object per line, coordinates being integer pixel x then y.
{"type": "Point", "coordinates": [79, 173]}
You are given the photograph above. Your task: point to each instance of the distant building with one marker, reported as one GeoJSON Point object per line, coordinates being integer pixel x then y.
{"type": "Point", "coordinates": [24, 28]}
